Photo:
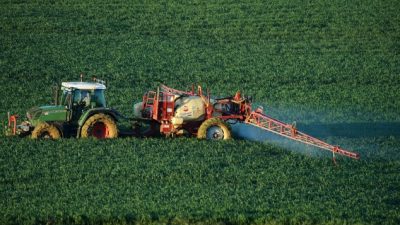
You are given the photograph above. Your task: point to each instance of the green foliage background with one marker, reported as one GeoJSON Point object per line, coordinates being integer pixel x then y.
{"type": "Point", "coordinates": [322, 62]}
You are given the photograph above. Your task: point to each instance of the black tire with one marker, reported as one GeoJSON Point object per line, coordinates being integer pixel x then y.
{"type": "Point", "coordinates": [214, 129]}
{"type": "Point", "coordinates": [45, 131]}
{"type": "Point", "coordinates": [99, 126]}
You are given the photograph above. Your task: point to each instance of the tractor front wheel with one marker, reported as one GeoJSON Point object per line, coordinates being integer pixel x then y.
{"type": "Point", "coordinates": [45, 131]}
{"type": "Point", "coordinates": [99, 126]}
{"type": "Point", "coordinates": [214, 129]}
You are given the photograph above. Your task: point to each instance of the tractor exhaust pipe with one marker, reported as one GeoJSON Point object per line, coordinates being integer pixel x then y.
{"type": "Point", "coordinates": [8, 119]}
{"type": "Point", "coordinates": [56, 94]}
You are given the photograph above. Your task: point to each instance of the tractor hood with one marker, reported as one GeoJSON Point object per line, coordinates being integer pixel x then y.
{"type": "Point", "coordinates": [36, 112]}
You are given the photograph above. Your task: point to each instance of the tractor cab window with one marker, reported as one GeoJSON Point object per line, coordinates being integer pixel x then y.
{"type": "Point", "coordinates": [99, 98]}
{"type": "Point", "coordinates": [82, 97]}
{"type": "Point", "coordinates": [85, 98]}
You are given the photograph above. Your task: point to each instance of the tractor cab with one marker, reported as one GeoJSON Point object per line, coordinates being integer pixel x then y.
{"type": "Point", "coordinates": [78, 97]}
{"type": "Point", "coordinates": [83, 94]}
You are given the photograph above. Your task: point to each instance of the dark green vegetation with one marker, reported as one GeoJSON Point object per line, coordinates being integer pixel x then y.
{"type": "Point", "coordinates": [323, 62]}
{"type": "Point", "coordinates": [145, 180]}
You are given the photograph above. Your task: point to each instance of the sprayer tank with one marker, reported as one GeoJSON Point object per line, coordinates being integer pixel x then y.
{"type": "Point", "coordinates": [189, 108]}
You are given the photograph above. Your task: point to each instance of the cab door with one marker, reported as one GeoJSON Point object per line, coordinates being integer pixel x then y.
{"type": "Point", "coordinates": [66, 102]}
{"type": "Point", "coordinates": [80, 103]}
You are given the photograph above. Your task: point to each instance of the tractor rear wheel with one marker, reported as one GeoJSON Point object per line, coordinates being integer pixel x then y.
{"type": "Point", "coordinates": [214, 129]}
{"type": "Point", "coordinates": [99, 126]}
{"type": "Point", "coordinates": [45, 131]}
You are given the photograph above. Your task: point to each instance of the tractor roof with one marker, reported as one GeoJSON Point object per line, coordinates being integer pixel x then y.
{"type": "Point", "coordinates": [83, 85]}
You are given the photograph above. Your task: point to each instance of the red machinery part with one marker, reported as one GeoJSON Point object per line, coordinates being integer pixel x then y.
{"type": "Point", "coordinates": [174, 91]}
{"type": "Point", "coordinates": [258, 119]}
{"type": "Point", "coordinates": [100, 130]}
{"type": "Point", "coordinates": [12, 123]}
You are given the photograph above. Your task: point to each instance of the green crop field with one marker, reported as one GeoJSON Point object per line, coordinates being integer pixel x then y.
{"type": "Point", "coordinates": [333, 66]}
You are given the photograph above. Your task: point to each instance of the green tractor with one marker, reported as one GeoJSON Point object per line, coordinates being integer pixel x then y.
{"type": "Point", "coordinates": [79, 110]}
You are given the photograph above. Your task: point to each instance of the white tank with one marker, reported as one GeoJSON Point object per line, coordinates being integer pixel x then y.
{"type": "Point", "coordinates": [190, 108]}
{"type": "Point", "coordinates": [137, 110]}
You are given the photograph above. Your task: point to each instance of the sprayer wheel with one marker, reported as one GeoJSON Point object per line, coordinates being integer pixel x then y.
{"type": "Point", "coordinates": [214, 129]}
{"type": "Point", "coordinates": [45, 131]}
{"type": "Point", "coordinates": [99, 126]}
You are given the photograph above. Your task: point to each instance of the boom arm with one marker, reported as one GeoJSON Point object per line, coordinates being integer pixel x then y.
{"type": "Point", "coordinates": [262, 121]}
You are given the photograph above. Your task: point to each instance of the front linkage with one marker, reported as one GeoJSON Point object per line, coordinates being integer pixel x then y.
{"type": "Point", "coordinates": [11, 128]}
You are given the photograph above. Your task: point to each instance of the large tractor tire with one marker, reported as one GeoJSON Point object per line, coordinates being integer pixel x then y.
{"type": "Point", "coordinates": [99, 126]}
{"type": "Point", "coordinates": [45, 131]}
{"type": "Point", "coordinates": [214, 129]}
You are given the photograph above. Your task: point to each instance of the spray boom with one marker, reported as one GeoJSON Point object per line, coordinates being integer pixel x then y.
{"type": "Point", "coordinates": [258, 119]}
